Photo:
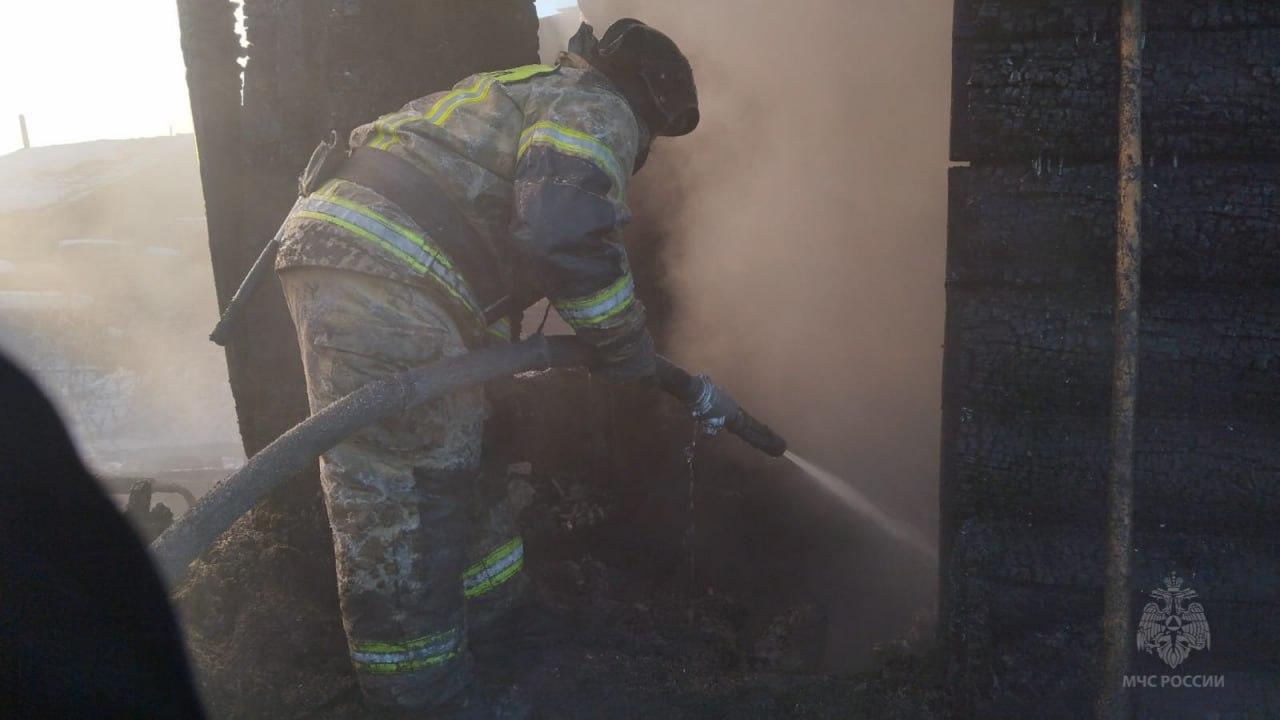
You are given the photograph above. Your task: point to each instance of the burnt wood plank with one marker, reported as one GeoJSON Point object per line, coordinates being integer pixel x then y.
{"type": "Point", "coordinates": [1027, 18]}
{"type": "Point", "coordinates": [1207, 95]}
{"type": "Point", "coordinates": [1219, 476]}
{"type": "Point", "coordinates": [1201, 224]}
{"type": "Point", "coordinates": [1210, 354]}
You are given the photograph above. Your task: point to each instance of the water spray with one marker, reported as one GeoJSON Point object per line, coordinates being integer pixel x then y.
{"type": "Point", "coordinates": [853, 499]}
{"type": "Point", "coordinates": [714, 409]}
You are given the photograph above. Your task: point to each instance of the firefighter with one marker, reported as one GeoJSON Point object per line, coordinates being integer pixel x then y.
{"type": "Point", "coordinates": [448, 218]}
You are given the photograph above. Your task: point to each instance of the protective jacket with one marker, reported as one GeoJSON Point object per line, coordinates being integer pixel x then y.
{"type": "Point", "coordinates": [537, 160]}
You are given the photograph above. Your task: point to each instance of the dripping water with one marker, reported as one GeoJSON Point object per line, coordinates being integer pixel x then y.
{"type": "Point", "coordinates": [690, 452]}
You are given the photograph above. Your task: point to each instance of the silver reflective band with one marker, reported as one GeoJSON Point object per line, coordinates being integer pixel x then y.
{"type": "Point", "coordinates": [497, 568]}
{"type": "Point", "coordinates": [595, 312]}
{"type": "Point", "coordinates": [366, 224]}
{"type": "Point", "coordinates": [489, 573]}
{"type": "Point", "coordinates": [575, 142]}
{"type": "Point", "coordinates": [435, 646]}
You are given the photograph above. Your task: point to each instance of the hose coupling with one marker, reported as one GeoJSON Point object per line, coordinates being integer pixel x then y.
{"type": "Point", "coordinates": [713, 406]}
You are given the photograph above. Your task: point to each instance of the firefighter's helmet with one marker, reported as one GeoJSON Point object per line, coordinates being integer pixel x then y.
{"type": "Point", "coordinates": [650, 69]}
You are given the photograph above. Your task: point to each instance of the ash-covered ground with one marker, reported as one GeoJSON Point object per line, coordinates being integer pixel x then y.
{"type": "Point", "coordinates": [632, 633]}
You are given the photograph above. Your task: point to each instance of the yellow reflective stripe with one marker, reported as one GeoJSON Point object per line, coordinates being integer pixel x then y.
{"type": "Point", "coordinates": [494, 557]}
{"type": "Point", "coordinates": [456, 99]}
{"type": "Point", "coordinates": [575, 143]}
{"type": "Point", "coordinates": [395, 239]}
{"type": "Point", "coordinates": [407, 656]}
{"type": "Point", "coordinates": [395, 668]}
{"type": "Point", "coordinates": [437, 114]}
{"type": "Point", "coordinates": [386, 127]}
{"type": "Point", "coordinates": [524, 72]}
{"type": "Point", "coordinates": [600, 307]}
{"type": "Point", "coordinates": [405, 646]}
{"type": "Point", "coordinates": [330, 194]}
{"type": "Point", "coordinates": [408, 259]}
{"type": "Point", "coordinates": [495, 569]}
{"type": "Point", "coordinates": [599, 297]}
{"type": "Point", "coordinates": [491, 584]}
{"type": "Point", "coordinates": [500, 329]}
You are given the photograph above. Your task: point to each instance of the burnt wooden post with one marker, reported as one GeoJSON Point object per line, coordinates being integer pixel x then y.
{"type": "Point", "coordinates": [1117, 628]}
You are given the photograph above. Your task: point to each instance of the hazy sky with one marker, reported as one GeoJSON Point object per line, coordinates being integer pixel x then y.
{"type": "Point", "coordinates": [87, 69]}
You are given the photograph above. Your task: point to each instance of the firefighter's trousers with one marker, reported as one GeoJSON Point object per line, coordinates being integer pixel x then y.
{"type": "Point", "coordinates": [413, 540]}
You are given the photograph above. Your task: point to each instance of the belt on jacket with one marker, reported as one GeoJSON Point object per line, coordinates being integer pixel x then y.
{"type": "Point", "coordinates": [426, 203]}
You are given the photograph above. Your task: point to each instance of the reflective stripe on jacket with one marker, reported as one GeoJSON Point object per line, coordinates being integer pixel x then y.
{"type": "Point", "coordinates": [537, 159]}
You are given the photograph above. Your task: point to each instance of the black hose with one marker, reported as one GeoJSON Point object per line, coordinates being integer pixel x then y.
{"type": "Point", "coordinates": [293, 451]}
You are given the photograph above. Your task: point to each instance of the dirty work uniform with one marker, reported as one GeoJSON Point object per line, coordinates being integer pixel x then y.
{"type": "Point", "coordinates": [536, 160]}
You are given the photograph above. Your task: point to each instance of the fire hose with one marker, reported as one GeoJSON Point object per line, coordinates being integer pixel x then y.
{"type": "Point", "coordinates": [293, 451]}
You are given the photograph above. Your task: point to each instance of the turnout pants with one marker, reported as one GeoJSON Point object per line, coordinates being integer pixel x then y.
{"type": "Point", "coordinates": [418, 545]}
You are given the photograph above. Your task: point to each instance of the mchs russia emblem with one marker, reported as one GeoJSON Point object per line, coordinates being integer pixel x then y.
{"type": "Point", "coordinates": [1173, 626]}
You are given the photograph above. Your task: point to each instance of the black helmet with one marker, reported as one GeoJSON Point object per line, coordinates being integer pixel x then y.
{"type": "Point", "coordinates": [651, 71]}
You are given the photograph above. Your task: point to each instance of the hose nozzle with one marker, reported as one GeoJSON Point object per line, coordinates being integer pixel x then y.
{"type": "Point", "coordinates": [714, 409]}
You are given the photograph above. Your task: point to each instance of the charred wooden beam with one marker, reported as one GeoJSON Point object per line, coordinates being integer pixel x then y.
{"type": "Point", "coordinates": [1050, 98]}
{"type": "Point", "coordinates": [1205, 225]}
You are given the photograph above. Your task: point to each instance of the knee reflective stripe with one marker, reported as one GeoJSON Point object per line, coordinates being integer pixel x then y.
{"type": "Point", "coordinates": [382, 658]}
{"type": "Point", "coordinates": [578, 144]}
{"type": "Point", "coordinates": [598, 309]}
{"type": "Point", "coordinates": [405, 244]}
{"type": "Point", "coordinates": [498, 567]}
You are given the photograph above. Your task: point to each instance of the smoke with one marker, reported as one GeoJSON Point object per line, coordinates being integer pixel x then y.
{"type": "Point", "coordinates": [806, 224]}
{"type": "Point", "coordinates": [111, 298]}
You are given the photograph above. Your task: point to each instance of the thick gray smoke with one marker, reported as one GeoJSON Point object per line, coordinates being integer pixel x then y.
{"type": "Point", "coordinates": [807, 223]}
{"type": "Point", "coordinates": [108, 298]}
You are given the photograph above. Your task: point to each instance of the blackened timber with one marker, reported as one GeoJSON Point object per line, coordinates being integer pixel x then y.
{"type": "Point", "coordinates": [1204, 224]}
{"type": "Point", "coordinates": [1211, 354]}
{"type": "Point", "coordinates": [211, 51]}
{"type": "Point", "coordinates": [1209, 95]}
{"type": "Point", "coordinates": [991, 19]}
{"type": "Point", "coordinates": [1047, 471]}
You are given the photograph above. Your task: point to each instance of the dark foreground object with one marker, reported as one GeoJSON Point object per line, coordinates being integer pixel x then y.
{"type": "Point", "coordinates": [85, 627]}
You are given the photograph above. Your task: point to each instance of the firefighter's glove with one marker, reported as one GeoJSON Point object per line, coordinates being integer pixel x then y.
{"type": "Point", "coordinates": [629, 359]}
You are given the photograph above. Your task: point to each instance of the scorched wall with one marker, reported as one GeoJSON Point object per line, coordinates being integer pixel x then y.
{"type": "Point", "coordinates": [1029, 350]}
